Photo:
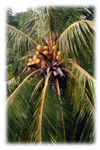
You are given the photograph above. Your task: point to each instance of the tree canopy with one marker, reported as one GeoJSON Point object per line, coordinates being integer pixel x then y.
{"type": "Point", "coordinates": [52, 101]}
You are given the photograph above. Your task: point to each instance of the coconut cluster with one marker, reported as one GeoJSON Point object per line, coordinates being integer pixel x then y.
{"type": "Point", "coordinates": [42, 51]}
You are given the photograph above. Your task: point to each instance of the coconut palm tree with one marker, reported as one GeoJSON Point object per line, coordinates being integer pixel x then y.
{"type": "Point", "coordinates": [51, 87]}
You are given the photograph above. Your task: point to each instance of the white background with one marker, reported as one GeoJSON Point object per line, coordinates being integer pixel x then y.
{"type": "Point", "coordinates": [23, 5]}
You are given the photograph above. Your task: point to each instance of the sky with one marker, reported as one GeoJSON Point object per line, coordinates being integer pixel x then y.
{"type": "Point", "coordinates": [18, 9]}
{"type": "Point", "coordinates": [22, 5]}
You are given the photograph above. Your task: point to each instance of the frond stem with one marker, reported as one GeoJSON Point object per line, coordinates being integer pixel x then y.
{"type": "Point", "coordinates": [37, 86]}
{"type": "Point", "coordinates": [42, 105]}
{"type": "Point", "coordinates": [58, 91]}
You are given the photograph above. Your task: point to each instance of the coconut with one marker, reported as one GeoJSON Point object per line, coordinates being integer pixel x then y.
{"type": "Point", "coordinates": [46, 47]}
{"type": "Point", "coordinates": [54, 47]}
{"type": "Point", "coordinates": [45, 53]}
{"type": "Point", "coordinates": [30, 60]}
{"type": "Point", "coordinates": [43, 63]}
{"type": "Point", "coordinates": [58, 53]}
{"type": "Point", "coordinates": [35, 57]}
{"type": "Point", "coordinates": [40, 47]}
{"type": "Point", "coordinates": [37, 61]}
{"type": "Point", "coordinates": [28, 64]}
{"type": "Point", "coordinates": [58, 57]}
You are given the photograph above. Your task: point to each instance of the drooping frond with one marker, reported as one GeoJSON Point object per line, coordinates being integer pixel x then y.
{"type": "Point", "coordinates": [77, 41]}
{"type": "Point", "coordinates": [46, 116]}
{"type": "Point", "coordinates": [84, 79]}
{"type": "Point", "coordinates": [12, 84]}
{"type": "Point", "coordinates": [20, 41]}
{"type": "Point", "coordinates": [81, 91]}
{"type": "Point", "coordinates": [38, 114]}
{"type": "Point", "coordinates": [20, 111]}
{"type": "Point", "coordinates": [20, 66]}
{"type": "Point", "coordinates": [14, 93]}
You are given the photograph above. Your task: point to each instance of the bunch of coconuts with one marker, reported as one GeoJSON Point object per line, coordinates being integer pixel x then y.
{"type": "Point", "coordinates": [51, 53]}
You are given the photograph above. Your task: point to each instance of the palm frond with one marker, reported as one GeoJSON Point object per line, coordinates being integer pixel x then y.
{"type": "Point", "coordinates": [20, 41]}
{"type": "Point", "coordinates": [42, 106]}
{"type": "Point", "coordinates": [12, 84]}
{"type": "Point", "coordinates": [20, 66]}
{"type": "Point", "coordinates": [46, 20]}
{"type": "Point", "coordinates": [47, 123]}
{"type": "Point", "coordinates": [84, 78]}
{"type": "Point", "coordinates": [85, 81]}
{"type": "Point", "coordinates": [38, 25]}
{"type": "Point", "coordinates": [44, 127]}
{"type": "Point", "coordinates": [82, 101]}
{"type": "Point", "coordinates": [83, 130]}
{"type": "Point", "coordinates": [76, 42]}
{"type": "Point", "coordinates": [38, 114]}
{"type": "Point", "coordinates": [62, 117]}
{"type": "Point", "coordinates": [37, 86]}
{"type": "Point", "coordinates": [19, 112]}
{"type": "Point", "coordinates": [13, 94]}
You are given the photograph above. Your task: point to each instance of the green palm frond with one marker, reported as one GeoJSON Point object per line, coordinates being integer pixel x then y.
{"type": "Point", "coordinates": [42, 106]}
{"type": "Point", "coordinates": [51, 19]}
{"type": "Point", "coordinates": [20, 66]}
{"type": "Point", "coordinates": [62, 117]}
{"type": "Point", "coordinates": [47, 118]}
{"type": "Point", "coordinates": [20, 41]}
{"type": "Point", "coordinates": [85, 81]}
{"type": "Point", "coordinates": [14, 93]}
{"type": "Point", "coordinates": [83, 130]}
{"type": "Point", "coordinates": [76, 42]}
{"type": "Point", "coordinates": [81, 91]}
{"type": "Point", "coordinates": [47, 128]}
{"type": "Point", "coordinates": [38, 114]}
{"type": "Point", "coordinates": [19, 113]}
{"type": "Point", "coordinates": [12, 84]}
{"type": "Point", "coordinates": [37, 86]}
{"type": "Point", "coordinates": [38, 25]}
{"type": "Point", "coordinates": [19, 109]}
